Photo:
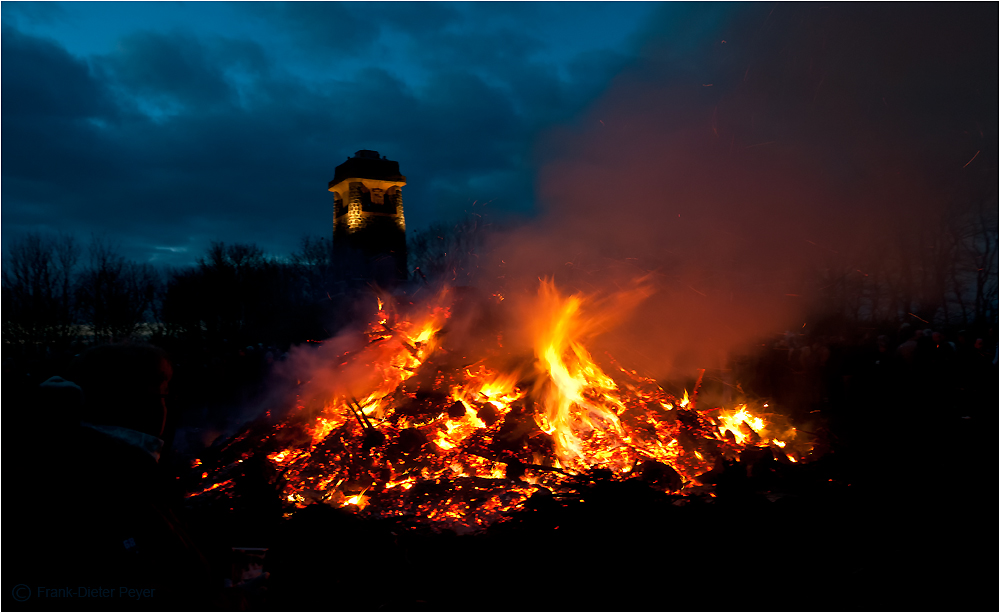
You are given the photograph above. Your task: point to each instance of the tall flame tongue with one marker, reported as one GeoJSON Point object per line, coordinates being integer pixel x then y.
{"type": "Point", "coordinates": [398, 428]}
{"type": "Point", "coordinates": [581, 403]}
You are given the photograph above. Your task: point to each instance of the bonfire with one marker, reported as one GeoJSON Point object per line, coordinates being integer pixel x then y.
{"type": "Point", "coordinates": [403, 423]}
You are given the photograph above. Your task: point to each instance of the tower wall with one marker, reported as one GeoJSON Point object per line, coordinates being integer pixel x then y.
{"type": "Point", "coordinates": [369, 227]}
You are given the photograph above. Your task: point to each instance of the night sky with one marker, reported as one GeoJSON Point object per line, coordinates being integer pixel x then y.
{"type": "Point", "coordinates": [166, 126]}
{"type": "Point", "coordinates": [170, 125]}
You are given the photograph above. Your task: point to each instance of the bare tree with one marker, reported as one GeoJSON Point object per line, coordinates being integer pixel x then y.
{"type": "Point", "coordinates": [982, 249]}
{"type": "Point", "coordinates": [939, 268]}
{"type": "Point", "coordinates": [115, 294]}
{"type": "Point", "coordinates": [313, 263]}
{"type": "Point", "coordinates": [450, 253]}
{"type": "Point", "coordinates": [236, 294]}
{"type": "Point", "coordinates": [39, 287]}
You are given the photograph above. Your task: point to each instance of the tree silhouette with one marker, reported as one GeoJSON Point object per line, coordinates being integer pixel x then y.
{"type": "Point", "coordinates": [38, 288]}
{"type": "Point", "coordinates": [115, 295]}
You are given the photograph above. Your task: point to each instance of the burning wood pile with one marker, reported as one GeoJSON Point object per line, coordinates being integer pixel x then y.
{"type": "Point", "coordinates": [405, 421]}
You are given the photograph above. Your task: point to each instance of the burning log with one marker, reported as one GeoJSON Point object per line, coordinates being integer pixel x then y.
{"type": "Point", "coordinates": [487, 414]}
{"type": "Point", "coordinates": [424, 405]}
{"type": "Point", "coordinates": [515, 469]}
{"type": "Point", "coordinates": [456, 410]}
{"type": "Point", "coordinates": [661, 475]}
{"type": "Point", "coordinates": [518, 427]}
{"type": "Point", "coordinates": [690, 419]}
{"type": "Point", "coordinates": [373, 438]}
{"type": "Point", "coordinates": [359, 414]}
{"type": "Point", "coordinates": [411, 441]}
{"type": "Point", "coordinates": [748, 432]}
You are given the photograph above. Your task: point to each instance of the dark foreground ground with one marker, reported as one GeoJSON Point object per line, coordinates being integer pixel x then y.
{"type": "Point", "coordinates": [904, 524]}
{"type": "Point", "coordinates": [900, 514]}
{"type": "Point", "coordinates": [900, 517]}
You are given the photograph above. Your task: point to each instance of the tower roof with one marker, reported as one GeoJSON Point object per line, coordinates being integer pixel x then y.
{"type": "Point", "coordinates": [367, 164]}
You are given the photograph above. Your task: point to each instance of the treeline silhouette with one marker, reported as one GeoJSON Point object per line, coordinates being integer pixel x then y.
{"type": "Point", "coordinates": [58, 295]}
{"type": "Point", "coordinates": [228, 317]}
{"type": "Point", "coordinates": [224, 320]}
{"type": "Point", "coordinates": [938, 270]}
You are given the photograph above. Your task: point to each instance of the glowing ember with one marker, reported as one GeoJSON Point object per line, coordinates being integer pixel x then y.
{"type": "Point", "coordinates": [405, 426]}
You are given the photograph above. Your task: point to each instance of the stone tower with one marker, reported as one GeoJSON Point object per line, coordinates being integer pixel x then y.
{"type": "Point", "coordinates": [369, 230]}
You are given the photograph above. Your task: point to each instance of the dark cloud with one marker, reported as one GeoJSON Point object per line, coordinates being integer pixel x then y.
{"type": "Point", "coordinates": [501, 51]}
{"type": "Point", "coordinates": [413, 17]}
{"type": "Point", "coordinates": [170, 73]}
{"type": "Point", "coordinates": [41, 79]}
{"type": "Point", "coordinates": [324, 28]}
{"type": "Point", "coordinates": [55, 110]}
{"type": "Point", "coordinates": [15, 13]}
{"type": "Point", "coordinates": [178, 140]}
{"type": "Point", "coordinates": [174, 140]}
